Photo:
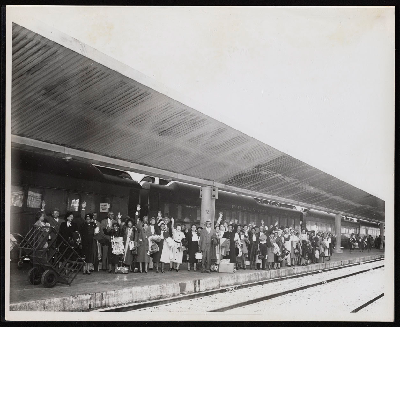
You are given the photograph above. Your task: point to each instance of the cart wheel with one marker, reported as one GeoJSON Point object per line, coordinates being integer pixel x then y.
{"type": "Point", "coordinates": [49, 278]}
{"type": "Point", "coordinates": [34, 276]}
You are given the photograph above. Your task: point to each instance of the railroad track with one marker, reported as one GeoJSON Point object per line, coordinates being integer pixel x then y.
{"type": "Point", "coordinates": [182, 298]}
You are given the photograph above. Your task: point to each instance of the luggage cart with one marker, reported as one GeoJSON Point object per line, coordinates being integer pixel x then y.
{"type": "Point", "coordinates": [33, 244]}
{"type": "Point", "coordinates": [54, 259]}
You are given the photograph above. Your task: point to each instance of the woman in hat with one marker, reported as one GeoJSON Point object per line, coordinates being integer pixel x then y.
{"type": "Point", "coordinates": [242, 243]}
{"type": "Point", "coordinates": [41, 233]}
{"type": "Point", "coordinates": [287, 244]}
{"type": "Point", "coordinates": [116, 250]}
{"type": "Point", "coordinates": [166, 246]}
{"type": "Point", "coordinates": [294, 238]}
{"type": "Point", "coordinates": [129, 233]}
{"type": "Point", "coordinates": [177, 236]}
{"type": "Point", "coordinates": [143, 257]}
{"type": "Point", "coordinates": [278, 248]}
{"type": "Point", "coordinates": [263, 249]}
{"type": "Point", "coordinates": [193, 246]}
{"type": "Point", "coordinates": [89, 247]}
{"type": "Point", "coordinates": [270, 250]}
{"type": "Point", "coordinates": [156, 239]}
{"type": "Point", "coordinates": [253, 247]}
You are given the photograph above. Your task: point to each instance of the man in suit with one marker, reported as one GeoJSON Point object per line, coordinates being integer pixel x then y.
{"type": "Point", "coordinates": [55, 222]}
{"type": "Point", "coordinates": [205, 246]}
{"type": "Point", "coordinates": [254, 238]}
{"type": "Point", "coordinates": [106, 227]}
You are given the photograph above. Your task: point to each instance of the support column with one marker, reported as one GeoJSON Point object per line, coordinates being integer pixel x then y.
{"type": "Point", "coordinates": [338, 230]}
{"type": "Point", "coordinates": [382, 228]}
{"type": "Point", "coordinates": [207, 206]}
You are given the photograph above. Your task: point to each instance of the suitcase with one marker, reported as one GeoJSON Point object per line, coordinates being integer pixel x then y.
{"type": "Point", "coordinates": [226, 266]}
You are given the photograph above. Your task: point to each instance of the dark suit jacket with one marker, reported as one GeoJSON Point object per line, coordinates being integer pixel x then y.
{"type": "Point", "coordinates": [254, 243]}
{"type": "Point", "coordinates": [55, 224]}
{"type": "Point", "coordinates": [67, 231]}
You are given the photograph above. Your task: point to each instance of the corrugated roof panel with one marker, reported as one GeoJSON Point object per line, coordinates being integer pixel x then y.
{"type": "Point", "coordinates": [62, 97]}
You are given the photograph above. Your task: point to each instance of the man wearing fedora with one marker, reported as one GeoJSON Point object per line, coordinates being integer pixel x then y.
{"type": "Point", "coordinates": [205, 246]}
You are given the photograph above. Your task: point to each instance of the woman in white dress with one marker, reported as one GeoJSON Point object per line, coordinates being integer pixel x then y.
{"type": "Point", "coordinates": [294, 239]}
{"type": "Point", "coordinates": [288, 245]}
{"type": "Point", "coordinates": [177, 236]}
{"type": "Point", "coordinates": [167, 252]}
{"type": "Point", "coordinates": [325, 244]}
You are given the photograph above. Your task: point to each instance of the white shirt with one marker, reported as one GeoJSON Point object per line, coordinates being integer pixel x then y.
{"type": "Point", "coordinates": [152, 229]}
{"type": "Point", "coordinates": [254, 237]}
{"type": "Point", "coordinates": [68, 223]}
{"type": "Point", "coordinates": [208, 230]}
{"type": "Point", "coordinates": [195, 238]}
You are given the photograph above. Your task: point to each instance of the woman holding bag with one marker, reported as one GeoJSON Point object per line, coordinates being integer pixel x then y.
{"type": "Point", "coordinates": [177, 236]}
{"type": "Point", "coordinates": [193, 247]}
{"type": "Point", "coordinates": [129, 234]}
{"type": "Point", "coordinates": [166, 246]}
{"type": "Point", "coordinates": [143, 257]}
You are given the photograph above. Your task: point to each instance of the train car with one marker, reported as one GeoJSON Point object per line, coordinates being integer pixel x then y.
{"type": "Point", "coordinates": [182, 201]}
{"type": "Point", "coordinates": [66, 183]}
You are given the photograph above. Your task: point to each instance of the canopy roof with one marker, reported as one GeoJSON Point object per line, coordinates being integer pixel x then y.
{"type": "Point", "coordinates": [65, 98]}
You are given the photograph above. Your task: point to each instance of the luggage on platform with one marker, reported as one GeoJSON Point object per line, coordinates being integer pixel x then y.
{"type": "Point", "coordinates": [121, 268]}
{"type": "Point", "coordinates": [226, 266]}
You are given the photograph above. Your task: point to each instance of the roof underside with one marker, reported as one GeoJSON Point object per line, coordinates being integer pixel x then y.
{"type": "Point", "coordinates": [62, 97]}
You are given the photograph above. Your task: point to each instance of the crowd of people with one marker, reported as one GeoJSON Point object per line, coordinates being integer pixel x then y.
{"type": "Point", "coordinates": [136, 243]}
{"type": "Point", "coordinates": [365, 242]}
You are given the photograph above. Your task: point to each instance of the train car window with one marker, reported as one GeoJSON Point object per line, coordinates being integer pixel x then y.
{"type": "Point", "coordinates": [73, 202]}
{"type": "Point", "coordinates": [166, 210]}
{"type": "Point", "coordinates": [17, 196]}
{"type": "Point", "coordinates": [119, 205]}
{"type": "Point", "coordinates": [56, 198]}
{"type": "Point", "coordinates": [34, 199]}
{"type": "Point", "coordinates": [198, 216]}
{"type": "Point", "coordinates": [90, 201]}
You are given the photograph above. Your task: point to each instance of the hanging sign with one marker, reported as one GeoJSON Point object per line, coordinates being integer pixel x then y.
{"type": "Point", "coordinates": [34, 199]}
{"type": "Point", "coordinates": [104, 207]}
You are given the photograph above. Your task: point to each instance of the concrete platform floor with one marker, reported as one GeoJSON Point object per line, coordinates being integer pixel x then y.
{"type": "Point", "coordinates": [22, 291]}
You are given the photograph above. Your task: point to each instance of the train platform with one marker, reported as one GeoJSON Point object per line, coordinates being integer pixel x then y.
{"type": "Point", "coordinates": [102, 290]}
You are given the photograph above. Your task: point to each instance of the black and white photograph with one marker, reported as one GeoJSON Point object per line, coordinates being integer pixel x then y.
{"type": "Point", "coordinates": [200, 164]}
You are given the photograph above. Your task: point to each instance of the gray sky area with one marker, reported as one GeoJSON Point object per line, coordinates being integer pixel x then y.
{"type": "Point", "coordinates": [316, 83]}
